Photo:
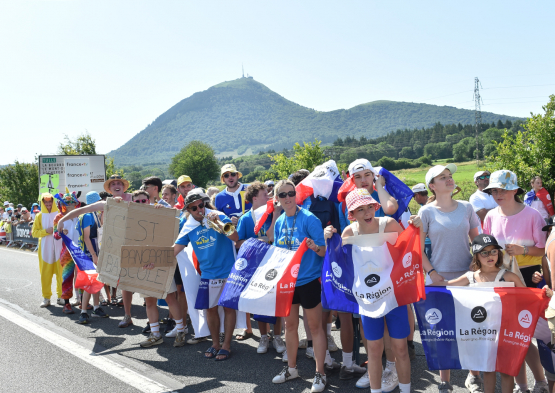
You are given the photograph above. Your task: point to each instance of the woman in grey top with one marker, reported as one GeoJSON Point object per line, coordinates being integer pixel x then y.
{"type": "Point", "coordinates": [450, 225]}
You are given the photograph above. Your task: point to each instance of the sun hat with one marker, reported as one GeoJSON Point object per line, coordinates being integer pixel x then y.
{"type": "Point", "coordinates": [182, 179]}
{"type": "Point", "coordinates": [436, 170]}
{"type": "Point", "coordinates": [420, 187]}
{"type": "Point", "coordinates": [360, 164]}
{"type": "Point", "coordinates": [112, 179]}
{"type": "Point", "coordinates": [6, 203]}
{"type": "Point", "coordinates": [482, 241]}
{"type": "Point", "coordinates": [359, 197]}
{"type": "Point", "coordinates": [505, 180]}
{"type": "Point", "coordinates": [195, 195]}
{"type": "Point", "coordinates": [480, 173]}
{"type": "Point", "coordinates": [229, 168]}
{"type": "Point", "coordinates": [92, 197]}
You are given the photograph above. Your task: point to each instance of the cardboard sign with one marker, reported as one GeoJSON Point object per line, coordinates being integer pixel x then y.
{"type": "Point", "coordinates": [136, 224]}
{"type": "Point", "coordinates": [139, 256]}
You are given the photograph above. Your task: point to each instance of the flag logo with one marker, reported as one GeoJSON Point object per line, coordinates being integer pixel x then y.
{"type": "Point", "coordinates": [336, 269]}
{"type": "Point", "coordinates": [295, 270]}
{"type": "Point", "coordinates": [433, 316]}
{"type": "Point", "coordinates": [478, 314]}
{"type": "Point", "coordinates": [372, 280]}
{"type": "Point", "coordinates": [407, 260]}
{"type": "Point", "coordinates": [525, 318]}
{"type": "Point", "coordinates": [240, 264]}
{"type": "Point", "coordinates": [271, 274]}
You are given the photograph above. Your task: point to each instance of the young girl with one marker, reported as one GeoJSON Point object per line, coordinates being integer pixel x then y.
{"type": "Point", "coordinates": [486, 268]}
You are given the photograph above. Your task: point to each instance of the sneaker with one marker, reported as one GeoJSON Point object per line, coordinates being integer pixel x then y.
{"type": "Point", "coordinates": [45, 303]}
{"type": "Point", "coordinates": [310, 353]}
{"type": "Point", "coordinates": [390, 380]}
{"type": "Point", "coordinates": [279, 345]}
{"type": "Point", "coordinates": [519, 390]}
{"type": "Point", "coordinates": [348, 373]}
{"type": "Point", "coordinates": [125, 322]}
{"type": "Point", "coordinates": [152, 340]}
{"type": "Point", "coordinates": [303, 343]}
{"type": "Point", "coordinates": [332, 347]}
{"type": "Point", "coordinates": [60, 302]}
{"type": "Point", "coordinates": [474, 383]}
{"type": "Point", "coordinates": [364, 381]}
{"type": "Point", "coordinates": [263, 344]}
{"type": "Point", "coordinates": [285, 359]}
{"type": "Point", "coordinates": [334, 366]}
{"type": "Point", "coordinates": [170, 325]}
{"type": "Point", "coordinates": [173, 333]}
{"type": "Point", "coordinates": [76, 302]}
{"type": "Point", "coordinates": [285, 375]}
{"type": "Point", "coordinates": [84, 318]}
{"type": "Point", "coordinates": [179, 339]}
{"type": "Point", "coordinates": [540, 387]}
{"type": "Point", "coordinates": [99, 313]}
{"type": "Point", "coordinates": [195, 340]}
{"type": "Point", "coordinates": [146, 329]}
{"type": "Point", "coordinates": [222, 338]}
{"type": "Point", "coordinates": [68, 309]}
{"type": "Point", "coordinates": [319, 383]}
{"type": "Point", "coordinates": [445, 387]}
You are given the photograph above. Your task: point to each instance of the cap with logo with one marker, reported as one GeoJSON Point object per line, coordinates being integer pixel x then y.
{"type": "Point", "coordinates": [482, 241]}
{"type": "Point", "coordinates": [505, 180]}
{"type": "Point", "coordinates": [480, 173]}
{"type": "Point", "coordinates": [114, 178]}
{"type": "Point", "coordinates": [359, 197]}
{"type": "Point", "coordinates": [183, 179]}
{"type": "Point", "coordinates": [196, 195]}
{"type": "Point", "coordinates": [359, 165]}
{"type": "Point", "coordinates": [229, 168]}
{"type": "Point", "coordinates": [420, 187]}
{"type": "Point", "coordinates": [436, 171]}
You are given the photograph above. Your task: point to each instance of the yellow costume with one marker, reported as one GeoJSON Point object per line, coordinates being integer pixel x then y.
{"type": "Point", "coordinates": [49, 248]}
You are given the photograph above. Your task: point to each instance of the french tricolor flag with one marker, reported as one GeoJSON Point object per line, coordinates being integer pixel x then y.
{"type": "Point", "coordinates": [325, 180]}
{"type": "Point", "coordinates": [86, 270]}
{"type": "Point", "coordinates": [374, 273]}
{"type": "Point", "coordinates": [261, 215]}
{"type": "Point", "coordinates": [479, 328]}
{"type": "Point", "coordinates": [263, 279]}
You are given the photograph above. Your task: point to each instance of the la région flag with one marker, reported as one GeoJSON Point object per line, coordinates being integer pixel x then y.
{"type": "Point", "coordinates": [263, 279]}
{"type": "Point", "coordinates": [86, 270]}
{"type": "Point", "coordinates": [482, 329]}
{"type": "Point", "coordinates": [373, 280]}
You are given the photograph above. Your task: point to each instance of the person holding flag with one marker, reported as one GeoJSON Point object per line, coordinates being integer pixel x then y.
{"type": "Point", "coordinates": [290, 230]}
{"type": "Point", "coordinates": [214, 250]}
{"type": "Point", "coordinates": [539, 199]}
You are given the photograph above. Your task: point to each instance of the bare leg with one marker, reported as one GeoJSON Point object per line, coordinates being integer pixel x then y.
{"type": "Point", "coordinates": [375, 350]}
{"type": "Point", "coordinates": [508, 383]}
{"type": "Point", "coordinates": [319, 340]}
{"type": "Point", "coordinates": [213, 320]}
{"type": "Point", "coordinates": [292, 335]}
{"type": "Point", "coordinates": [229, 325]}
{"type": "Point", "coordinates": [401, 352]}
{"type": "Point", "coordinates": [346, 332]}
{"type": "Point", "coordinates": [411, 323]}
{"type": "Point", "coordinates": [152, 310]}
{"type": "Point", "coordinates": [445, 375]}
{"type": "Point", "coordinates": [127, 299]}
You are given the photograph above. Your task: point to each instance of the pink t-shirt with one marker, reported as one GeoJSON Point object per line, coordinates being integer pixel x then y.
{"type": "Point", "coordinates": [523, 229]}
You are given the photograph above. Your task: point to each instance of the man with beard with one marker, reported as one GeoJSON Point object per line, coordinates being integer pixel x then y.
{"type": "Point", "coordinates": [229, 201]}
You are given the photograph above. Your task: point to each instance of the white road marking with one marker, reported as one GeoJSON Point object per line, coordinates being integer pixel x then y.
{"type": "Point", "coordinates": [103, 363]}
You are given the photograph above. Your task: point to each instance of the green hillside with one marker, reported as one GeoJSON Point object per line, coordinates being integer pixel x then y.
{"type": "Point", "coordinates": [243, 114]}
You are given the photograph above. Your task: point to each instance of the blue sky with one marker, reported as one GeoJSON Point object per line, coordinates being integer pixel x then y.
{"type": "Point", "coordinates": [112, 67]}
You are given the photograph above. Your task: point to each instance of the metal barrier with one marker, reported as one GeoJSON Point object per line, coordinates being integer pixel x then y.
{"type": "Point", "coordinates": [20, 234]}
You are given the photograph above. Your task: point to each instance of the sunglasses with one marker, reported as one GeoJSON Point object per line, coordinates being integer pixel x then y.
{"type": "Point", "coordinates": [229, 174]}
{"type": "Point", "coordinates": [286, 194]}
{"type": "Point", "coordinates": [423, 193]}
{"type": "Point", "coordinates": [141, 201]}
{"type": "Point", "coordinates": [483, 177]}
{"type": "Point", "coordinates": [485, 254]}
{"type": "Point", "coordinates": [194, 208]}
{"type": "Point", "coordinates": [270, 186]}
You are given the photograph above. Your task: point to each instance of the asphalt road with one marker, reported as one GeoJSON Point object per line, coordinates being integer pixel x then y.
{"type": "Point", "coordinates": [43, 350]}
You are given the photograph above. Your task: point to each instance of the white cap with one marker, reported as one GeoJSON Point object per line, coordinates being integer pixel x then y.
{"type": "Point", "coordinates": [269, 182]}
{"type": "Point", "coordinates": [6, 203]}
{"type": "Point", "coordinates": [359, 165]}
{"type": "Point", "coordinates": [436, 170]}
{"type": "Point", "coordinates": [420, 187]}
{"type": "Point", "coordinates": [480, 173]}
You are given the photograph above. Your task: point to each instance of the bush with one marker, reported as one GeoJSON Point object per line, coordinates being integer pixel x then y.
{"type": "Point", "coordinates": [388, 163]}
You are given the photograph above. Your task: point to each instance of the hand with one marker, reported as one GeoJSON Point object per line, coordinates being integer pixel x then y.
{"type": "Point", "coordinates": [49, 230]}
{"type": "Point", "coordinates": [277, 209]}
{"type": "Point", "coordinates": [343, 175]}
{"type": "Point", "coordinates": [548, 291]}
{"type": "Point", "coordinates": [380, 180]}
{"type": "Point", "coordinates": [329, 231]}
{"type": "Point", "coordinates": [158, 206]}
{"type": "Point", "coordinates": [64, 231]}
{"type": "Point", "coordinates": [118, 199]}
{"type": "Point", "coordinates": [513, 249]}
{"type": "Point", "coordinates": [213, 216]}
{"type": "Point", "coordinates": [416, 221]}
{"type": "Point", "coordinates": [61, 225]}
{"type": "Point", "coordinates": [150, 266]}
{"type": "Point", "coordinates": [436, 277]}
{"type": "Point", "coordinates": [537, 277]}
{"type": "Point", "coordinates": [95, 259]}
{"type": "Point", "coordinates": [234, 220]}
{"type": "Point", "coordinates": [310, 243]}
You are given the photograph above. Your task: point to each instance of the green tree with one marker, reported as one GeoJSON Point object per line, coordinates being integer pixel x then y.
{"type": "Point", "coordinates": [83, 145]}
{"type": "Point", "coordinates": [308, 156]}
{"type": "Point", "coordinates": [406, 152]}
{"type": "Point", "coordinates": [19, 183]}
{"type": "Point", "coordinates": [196, 159]}
{"type": "Point", "coordinates": [530, 152]}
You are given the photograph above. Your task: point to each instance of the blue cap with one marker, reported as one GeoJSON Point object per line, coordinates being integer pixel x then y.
{"type": "Point", "coordinates": [92, 197]}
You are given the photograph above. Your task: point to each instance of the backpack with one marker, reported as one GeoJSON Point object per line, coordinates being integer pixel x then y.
{"type": "Point", "coordinates": [326, 212]}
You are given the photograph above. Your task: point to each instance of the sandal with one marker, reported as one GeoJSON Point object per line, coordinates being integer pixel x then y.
{"type": "Point", "coordinates": [243, 336]}
{"type": "Point", "coordinates": [223, 352]}
{"type": "Point", "coordinates": [103, 303]}
{"type": "Point", "coordinates": [212, 353]}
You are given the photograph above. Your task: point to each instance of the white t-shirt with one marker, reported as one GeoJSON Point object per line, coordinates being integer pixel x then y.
{"type": "Point", "coordinates": [537, 204]}
{"type": "Point", "coordinates": [480, 200]}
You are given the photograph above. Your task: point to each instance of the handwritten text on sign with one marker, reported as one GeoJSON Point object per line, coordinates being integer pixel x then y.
{"type": "Point", "coordinates": [138, 256]}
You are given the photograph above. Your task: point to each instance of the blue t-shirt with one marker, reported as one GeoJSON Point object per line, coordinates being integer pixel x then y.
{"type": "Point", "coordinates": [245, 227]}
{"type": "Point", "coordinates": [214, 250]}
{"type": "Point", "coordinates": [226, 203]}
{"type": "Point", "coordinates": [88, 220]}
{"type": "Point", "coordinates": [307, 225]}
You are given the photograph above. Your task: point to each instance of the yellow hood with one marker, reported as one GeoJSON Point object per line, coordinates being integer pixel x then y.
{"type": "Point", "coordinates": [43, 208]}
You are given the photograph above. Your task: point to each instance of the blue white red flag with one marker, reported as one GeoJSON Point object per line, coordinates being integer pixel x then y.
{"type": "Point", "coordinates": [482, 329]}
{"type": "Point", "coordinates": [545, 345]}
{"type": "Point", "coordinates": [373, 276]}
{"type": "Point", "coordinates": [263, 279]}
{"type": "Point", "coordinates": [86, 270]}
{"type": "Point", "coordinates": [325, 180]}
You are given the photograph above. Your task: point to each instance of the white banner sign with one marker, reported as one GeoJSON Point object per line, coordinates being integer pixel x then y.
{"type": "Point", "coordinates": [78, 174]}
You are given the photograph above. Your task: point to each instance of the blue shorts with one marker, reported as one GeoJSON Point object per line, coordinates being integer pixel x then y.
{"type": "Point", "coordinates": [397, 324]}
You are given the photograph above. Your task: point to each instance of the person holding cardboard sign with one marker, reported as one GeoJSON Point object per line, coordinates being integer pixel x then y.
{"type": "Point", "coordinates": [214, 251]}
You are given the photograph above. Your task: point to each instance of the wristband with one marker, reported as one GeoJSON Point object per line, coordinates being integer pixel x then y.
{"type": "Point", "coordinates": [432, 270]}
{"type": "Point", "coordinates": [318, 250]}
{"type": "Point", "coordinates": [525, 250]}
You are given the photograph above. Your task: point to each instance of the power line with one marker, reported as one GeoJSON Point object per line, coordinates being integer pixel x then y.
{"type": "Point", "coordinates": [512, 87]}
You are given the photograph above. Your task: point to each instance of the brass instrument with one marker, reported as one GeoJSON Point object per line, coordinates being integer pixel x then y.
{"type": "Point", "coordinates": [228, 230]}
